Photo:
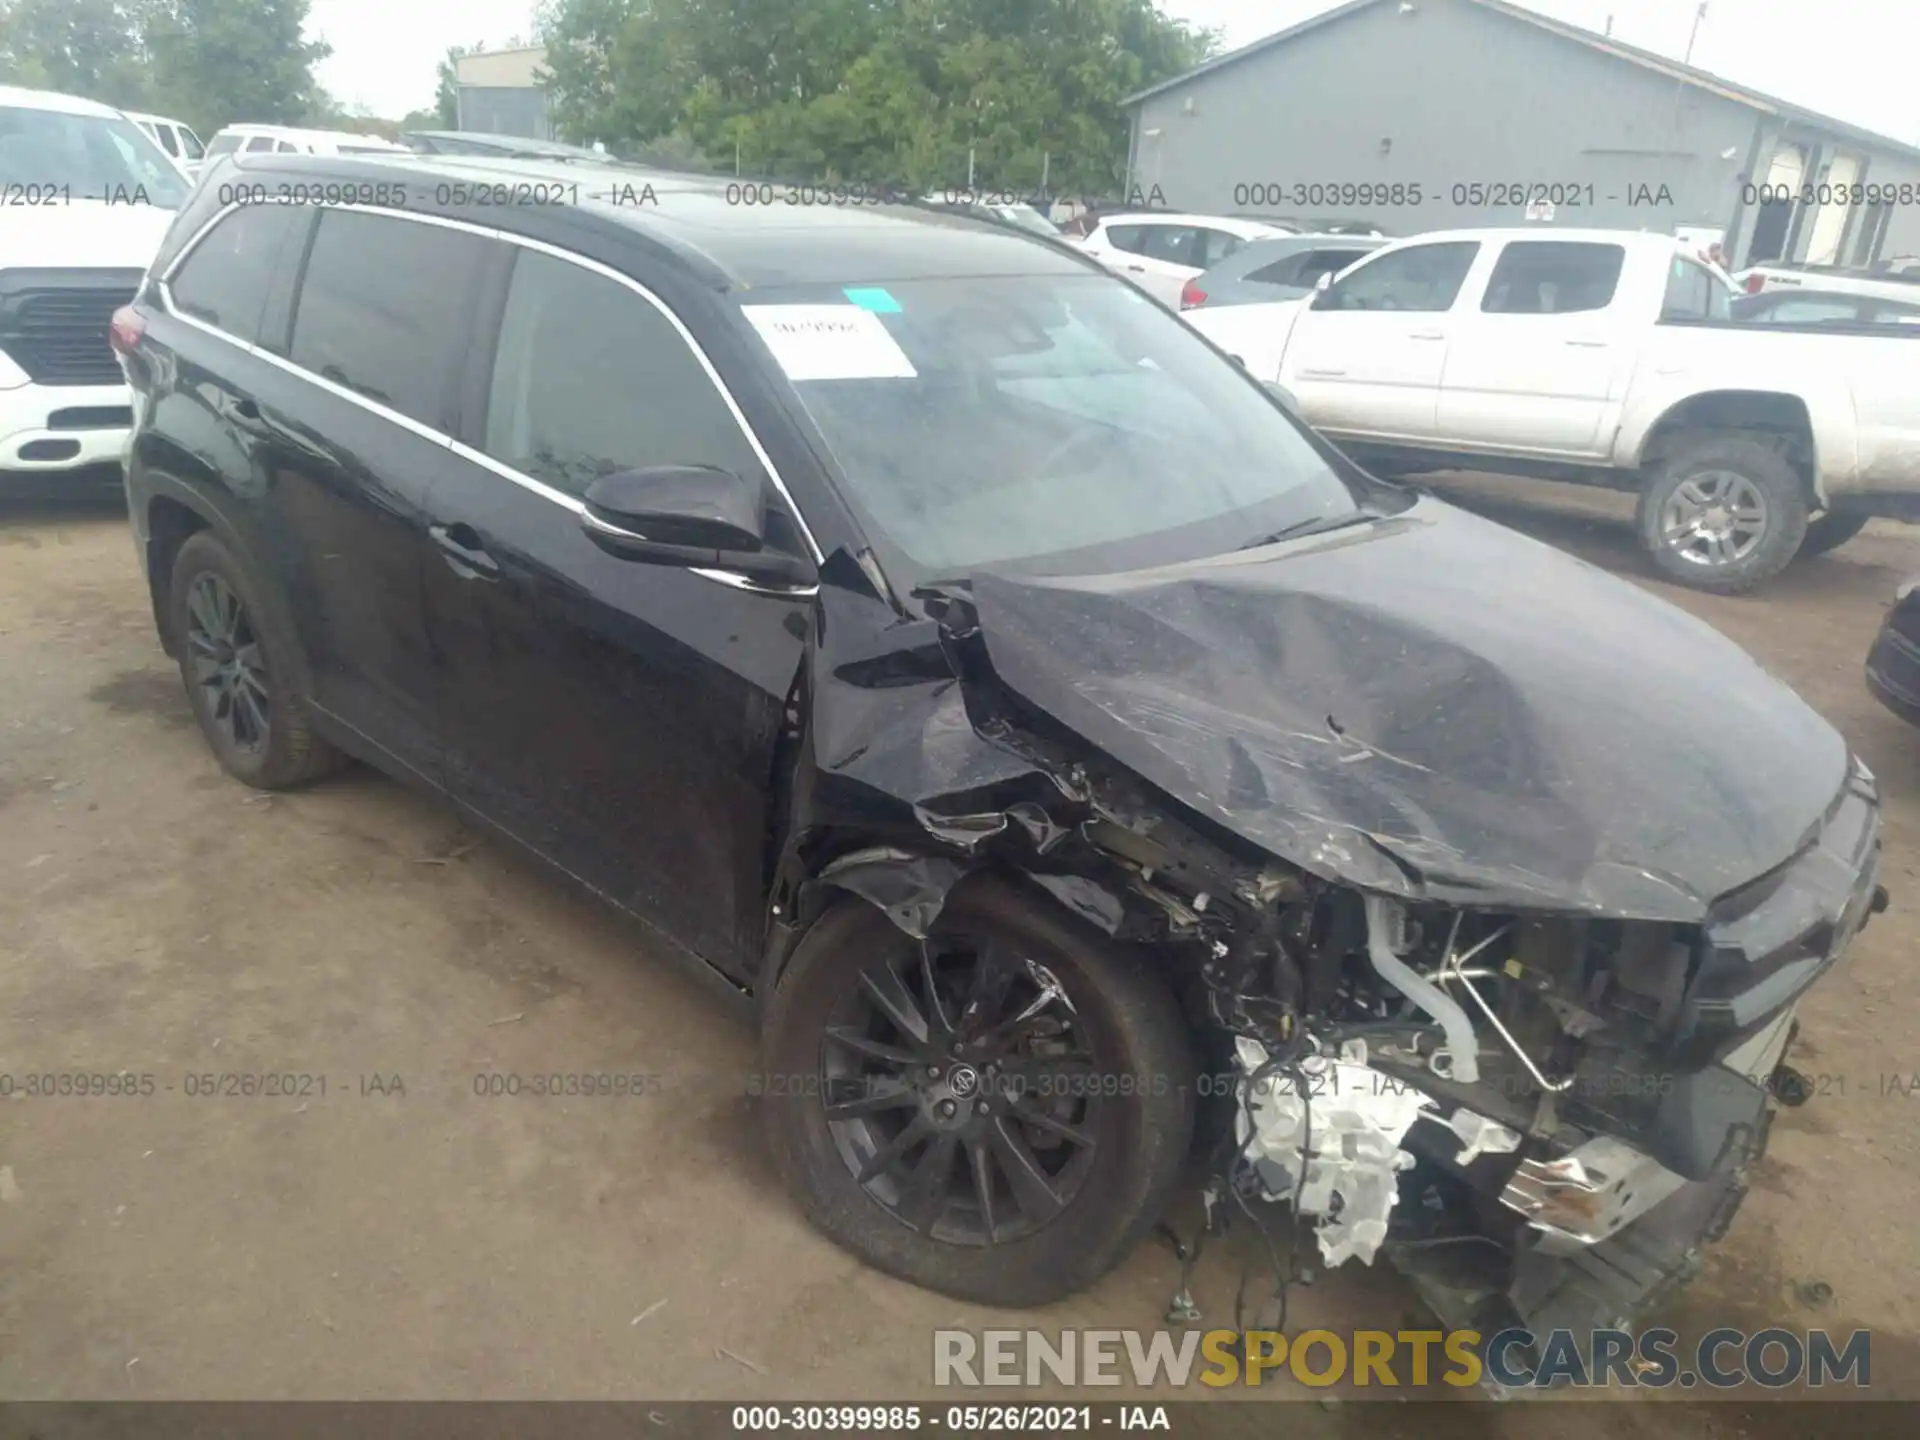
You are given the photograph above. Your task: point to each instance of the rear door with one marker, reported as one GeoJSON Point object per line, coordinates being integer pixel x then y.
{"type": "Point", "coordinates": [356, 401]}
{"type": "Point", "coordinates": [620, 718]}
{"type": "Point", "coordinates": [1541, 362]}
{"type": "Point", "coordinates": [1366, 354]}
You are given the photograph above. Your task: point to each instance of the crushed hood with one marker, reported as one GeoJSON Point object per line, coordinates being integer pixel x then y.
{"type": "Point", "coordinates": [1434, 707]}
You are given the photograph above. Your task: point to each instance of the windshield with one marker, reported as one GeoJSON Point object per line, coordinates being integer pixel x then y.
{"type": "Point", "coordinates": [95, 157]}
{"type": "Point", "coordinates": [1059, 422]}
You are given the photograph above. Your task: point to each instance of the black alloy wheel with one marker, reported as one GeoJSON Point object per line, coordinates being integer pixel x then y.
{"type": "Point", "coordinates": [960, 1089]}
{"type": "Point", "coordinates": [241, 668]}
{"type": "Point", "coordinates": [998, 1111]}
{"type": "Point", "coordinates": [226, 661]}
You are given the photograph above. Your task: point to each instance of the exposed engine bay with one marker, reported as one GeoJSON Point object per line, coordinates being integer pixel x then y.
{"type": "Point", "coordinates": [1532, 1074]}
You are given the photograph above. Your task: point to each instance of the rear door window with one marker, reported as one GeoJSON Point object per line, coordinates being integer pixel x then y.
{"type": "Point", "coordinates": [1553, 277]}
{"type": "Point", "coordinates": [225, 278]}
{"type": "Point", "coordinates": [1283, 271]}
{"type": "Point", "coordinates": [1316, 263]}
{"type": "Point", "coordinates": [1216, 245]}
{"type": "Point", "coordinates": [1176, 245]}
{"type": "Point", "coordinates": [383, 309]}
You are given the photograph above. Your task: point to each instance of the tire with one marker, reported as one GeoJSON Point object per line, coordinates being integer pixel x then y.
{"type": "Point", "coordinates": [284, 752]}
{"type": "Point", "coordinates": [1134, 1101]}
{"type": "Point", "coordinates": [1698, 466]}
{"type": "Point", "coordinates": [1832, 530]}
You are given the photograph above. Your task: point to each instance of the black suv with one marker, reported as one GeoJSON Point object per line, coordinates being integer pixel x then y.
{"type": "Point", "coordinates": [944, 646]}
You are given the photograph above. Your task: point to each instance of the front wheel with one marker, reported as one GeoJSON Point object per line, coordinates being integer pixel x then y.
{"type": "Point", "coordinates": [1722, 513]}
{"type": "Point", "coordinates": [997, 1112]}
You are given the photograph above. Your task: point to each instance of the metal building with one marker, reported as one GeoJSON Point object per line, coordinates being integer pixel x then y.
{"type": "Point", "coordinates": [1430, 114]}
{"type": "Point", "coordinates": [503, 92]}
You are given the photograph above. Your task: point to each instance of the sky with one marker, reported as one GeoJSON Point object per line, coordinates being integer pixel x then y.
{"type": "Point", "coordinates": [1851, 59]}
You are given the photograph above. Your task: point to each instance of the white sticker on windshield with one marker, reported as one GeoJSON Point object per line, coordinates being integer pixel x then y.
{"type": "Point", "coordinates": [830, 342]}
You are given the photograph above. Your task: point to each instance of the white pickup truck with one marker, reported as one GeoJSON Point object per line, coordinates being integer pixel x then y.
{"type": "Point", "coordinates": [1603, 357]}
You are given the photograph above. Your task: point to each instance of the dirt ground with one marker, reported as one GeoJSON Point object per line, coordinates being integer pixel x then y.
{"type": "Point", "coordinates": [401, 1236]}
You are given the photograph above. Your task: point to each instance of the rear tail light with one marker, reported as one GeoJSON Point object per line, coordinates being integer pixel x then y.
{"type": "Point", "coordinates": [1191, 295]}
{"type": "Point", "coordinates": [126, 331]}
{"type": "Point", "coordinates": [1756, 283]}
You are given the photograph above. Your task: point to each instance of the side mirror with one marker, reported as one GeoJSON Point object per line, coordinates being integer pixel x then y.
{"type": "Point", "coordinates": [693, 516]}
{"type": "Point", "coordinates": [1323, 280]}
{"type": "Point", "coordinates": [1322, 292]}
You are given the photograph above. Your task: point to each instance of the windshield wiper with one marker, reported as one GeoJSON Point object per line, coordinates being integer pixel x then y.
{"type": "Point", "coordinates": [1313, 525]}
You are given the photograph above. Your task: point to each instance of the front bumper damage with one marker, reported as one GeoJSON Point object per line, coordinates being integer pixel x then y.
{"type": "Point", "coordinates": [1460, 1007]}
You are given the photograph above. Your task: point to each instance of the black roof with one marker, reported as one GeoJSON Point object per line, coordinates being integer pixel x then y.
{"type": "Point", "coordinates": [742, 233]}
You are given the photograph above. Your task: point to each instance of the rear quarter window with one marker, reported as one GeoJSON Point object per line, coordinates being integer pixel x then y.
{"type": "Point", "coordinates": [383, 309]}
{"type": "Point", "coordinates": [225, 278]}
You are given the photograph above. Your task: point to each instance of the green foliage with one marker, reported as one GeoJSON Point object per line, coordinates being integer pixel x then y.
{"type": "Point", "coordinates": [446, 95]}
{"type": "Point", "coordinates": [894, 90]}
{"type": "Point", "coordinates": [208, 62]}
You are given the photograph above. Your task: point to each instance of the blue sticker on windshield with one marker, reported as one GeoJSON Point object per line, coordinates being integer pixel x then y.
{"type": "Point", "coordinates": [875, 299]}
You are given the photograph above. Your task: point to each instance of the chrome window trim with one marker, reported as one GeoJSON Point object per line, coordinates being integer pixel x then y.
{"type": "Point", "coordinates": [467, 452]}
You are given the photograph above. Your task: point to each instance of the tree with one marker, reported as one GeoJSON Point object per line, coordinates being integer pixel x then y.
{"type": "Point", "coordinates": [91, 48]}
{"type": "Point", "coordinates": [219, 61]}
{"type": "Point", "coordinates": [446, 97]}
{"type": "Point", "coordinates": [898, 90]}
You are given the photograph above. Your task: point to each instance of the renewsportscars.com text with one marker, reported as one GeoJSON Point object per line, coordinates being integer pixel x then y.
{"type": "Point", "coordinates": [1722, 1359]}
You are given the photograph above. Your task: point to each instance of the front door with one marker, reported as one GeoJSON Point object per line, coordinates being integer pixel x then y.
{"type": "Point", "coordinates": [1366, 354]}
{"type": "Point", "coordinates": [619, 717]}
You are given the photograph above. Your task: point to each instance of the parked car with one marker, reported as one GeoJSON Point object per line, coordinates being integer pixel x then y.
{"type": "Point", "coordinates": [1284, 268]}
{"type": "Point", "coordinates": [1823, 307]}
{"type": "Point", "coordinates": [291, 140]}
{"type": "Point", "coordinates": [88, 198]}
{"type": "Point", "coordinates": [1160, 251]}
{"type": "Point", "coordinates": [1606, 357]}
{"type": "Point", "coordinates": [1894, 283]}
{"type": "Point", "coordinates": [176, 137]}
{"type": "Point", "coordinates": [965, 664]}
{"type": "Point", "coordinates": [1893, 664]}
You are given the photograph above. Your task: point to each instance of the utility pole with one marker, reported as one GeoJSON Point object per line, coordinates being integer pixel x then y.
{"type": "Point", "coordinates": [1694, 34]}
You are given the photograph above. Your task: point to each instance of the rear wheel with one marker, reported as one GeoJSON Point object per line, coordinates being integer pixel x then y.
{"type": "Point", "coordinates": [1830, 531]}
{"type": "Point", "coordinates": [238, 665]}
{"type": "Point", "coordinates": [1722, 512]}
{"type": "Point", "coordinates": [998, 1112]}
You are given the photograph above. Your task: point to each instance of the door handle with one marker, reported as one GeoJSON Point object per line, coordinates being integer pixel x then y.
{"type": "Point", "coordinates": [1589, 344]}
{"type": "Point", "coordinates": [1308, 372]}
{"type": "Point", "coordinates": [463, 551]}
{"type": "Point", "coordinates": [1138, 269]}
{"type": "Point", "coordinates": [1427, 335]}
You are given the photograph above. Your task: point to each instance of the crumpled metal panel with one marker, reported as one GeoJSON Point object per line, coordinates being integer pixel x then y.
{"type": "Point", "coordinates": [1432, 707]}
{"type": "Point", "coordinates": [1334, 1150]}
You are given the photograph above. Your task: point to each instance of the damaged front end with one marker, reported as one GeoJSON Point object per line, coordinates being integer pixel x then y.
{"type": "Point", "coordinates": [1531, 1064]}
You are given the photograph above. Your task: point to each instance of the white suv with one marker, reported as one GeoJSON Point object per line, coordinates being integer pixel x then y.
{"type": "Point", "coordinates": [88, 198]}
{"type": "Point", "coordinates": [176, 137]}
{"type": "Point", "coordinates": [1161, 252]}
{"type": "Point", "coordinates": [289, 140]}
